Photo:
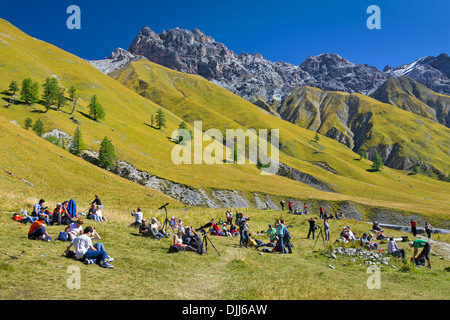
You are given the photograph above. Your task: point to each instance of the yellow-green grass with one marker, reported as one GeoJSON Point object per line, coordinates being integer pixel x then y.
{"type": "Point", "coordinates": [419, 138]}
{"type": "Point", "coordinates": [144, 270]}
{"type": "Point", "coordinates": [55, 175]}
{"type": "Point", "coordinates": [127, 125]}
{"type": "Point", "coordinates": [191, 97]}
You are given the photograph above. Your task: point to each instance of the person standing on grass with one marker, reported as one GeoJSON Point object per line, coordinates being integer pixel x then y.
{"type": "Point", "coordinates": [240, 221]}
{"type": "Point", "coordinates": [280, 233]}
{"type": "Point", "coordinates": [413, 224]}
{"type": "Point", "coordinates": [286, 238]}
{"type": "Point", "coordinates": [290, 207]}
{"type": "Point", "coordinates": [88, 253]}
{"type": "Point", "coordinates": [282, 204]}
{"type": "Point", "coordinates": [428, 229]}
{"type": "Point", "coordinates": [326, 228]}
{"type": "Point", "coordinates": [312, 227]}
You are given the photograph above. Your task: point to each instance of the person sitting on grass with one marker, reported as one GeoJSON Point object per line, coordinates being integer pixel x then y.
{"type": "Point", "coordinates": [92, 214]}
{"type": "Point", "coordinates": [233, 230]}
{"type": "Point", "coordinates": [101, 217]}
{"type": "Point", "coordinates": [37, 230]}
{"type": "Point", "coordinates": [57, 214]}
{"type": "Point", "coordinates": [394, 250]}
{"type": "Point", "coordinates": [155, 230]}
{"type": "Point", "coordinates": [373, 244]}
{"type": "Point", "coordinates": [74, 229]}
{"type": "Point", "coordinates": [366, 241]}
{"type": "Point", "coordinates": [44, 213]}
{"type": "Point", "coordinates": [138, 215]}
{"type": "Point", "coordinates": [272, 234]}
{"type": "Point", "coordinates": [88, 253]}
{"type": "Point", "coordinates": [380, 235]}
{"type": "Point", "coordinates": [173, 224]}
{"type": "Point", "coordinates": [214, 230]}
{"type": "Point", "coordinates": [144, 228]}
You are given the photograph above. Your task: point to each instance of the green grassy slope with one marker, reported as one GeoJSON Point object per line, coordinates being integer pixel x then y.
{"type": "Point", "coordinates": [363, 123]}
{"type": "Point", "coordinates": [189, 98]}
{"type": "Point", "coordinates": [407, 94]}
{"type": "Point", "coordinates": [192, 97]}
{"type": "Point", "coordinates": [56, 175]}
{"type": "Point", "coordinates": [144, 270]}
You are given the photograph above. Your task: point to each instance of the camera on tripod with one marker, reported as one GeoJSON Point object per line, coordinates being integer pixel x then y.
{"type": "Point", "coordinates": [202, 228]}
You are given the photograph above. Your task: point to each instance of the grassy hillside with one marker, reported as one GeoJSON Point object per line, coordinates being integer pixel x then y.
{"type": "Point", "coordinates": [407, 94]}
{"type": "Point", "coordinates": [192, 97]}
{"type": "Point", "coordinates": [144, 270]}
{"type": "Point", "coordinates": [56, 175]}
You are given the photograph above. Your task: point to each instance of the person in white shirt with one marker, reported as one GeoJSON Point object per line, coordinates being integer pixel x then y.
{"type": "Point", "coordinates": [74, 229]}
{"type": "Point", "coordinates": [85, 251]}
{"type": "Point", "coordinates": [138, 215]}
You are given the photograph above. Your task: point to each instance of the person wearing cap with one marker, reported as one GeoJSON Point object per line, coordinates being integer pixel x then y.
{"type": "Point", "coordinates": [74, 229]}
{"type": "Point", "coordinates": [144, 228]}
{"type": "Point", "coordinates": [421, 243]}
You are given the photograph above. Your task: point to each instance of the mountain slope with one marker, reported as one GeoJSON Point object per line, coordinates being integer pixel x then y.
{"type": "Point", "coordinates": [189, 98]}
{"type": "Point", "coordinates": [251, 76]}
{"type": "Point", "coordinates": [432, 72]}
{"type": "Point", "coordinates": [409, 95]}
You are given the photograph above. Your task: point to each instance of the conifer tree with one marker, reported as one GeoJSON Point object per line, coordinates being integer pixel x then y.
{"type": "Point", "coordinates": [107, 155]}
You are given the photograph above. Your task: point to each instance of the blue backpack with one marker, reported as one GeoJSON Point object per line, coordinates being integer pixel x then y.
{"type": "Point", "coordinates": [63, 236]}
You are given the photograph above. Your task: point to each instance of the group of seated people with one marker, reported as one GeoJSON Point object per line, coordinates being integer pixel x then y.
{"type": "Point", "coordinates": [60, 215]}
{"type": "Point", "coordinates": [95, 213]}
{"type": "Point", "coordinates": [152, 228]}
{"type": "Point", "coordinates": [216, 231]}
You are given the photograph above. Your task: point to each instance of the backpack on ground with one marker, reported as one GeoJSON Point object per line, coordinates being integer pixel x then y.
{"type": "Point", "coordinates": [63, 236]}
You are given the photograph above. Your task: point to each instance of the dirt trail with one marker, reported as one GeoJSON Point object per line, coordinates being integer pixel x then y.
{"type": "Point", "coordinates": [438, 248]}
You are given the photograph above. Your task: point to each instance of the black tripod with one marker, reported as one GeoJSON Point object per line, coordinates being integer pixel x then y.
{"type": "Point", "coordinates": [205, 243]}
{"type": "Point", "coordinates": [320, 234]}
{"type": "Point", "coordinates": [165, 226]}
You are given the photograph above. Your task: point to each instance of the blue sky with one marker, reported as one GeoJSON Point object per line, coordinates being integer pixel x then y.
{"type": "Point", "coordinates": [280, 30]}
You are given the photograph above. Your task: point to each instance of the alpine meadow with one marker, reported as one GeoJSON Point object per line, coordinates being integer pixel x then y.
{"type": "Point", "coordinates": [77, 128]}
